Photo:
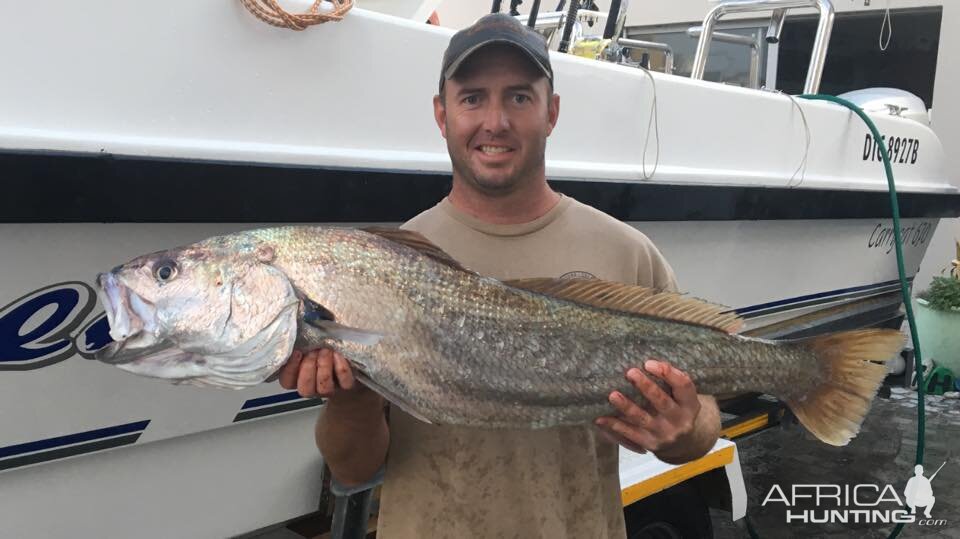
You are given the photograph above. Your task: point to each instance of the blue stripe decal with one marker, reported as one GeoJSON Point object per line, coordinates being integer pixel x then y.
{"type": "Point", "coordinates": [745, 310]}
{"type": "Point", "coordinates": [58, 441]}
{"type": "Point", "coordinates": [272, 399]}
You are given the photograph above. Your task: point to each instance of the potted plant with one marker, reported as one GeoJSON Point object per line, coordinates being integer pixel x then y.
{"type": "Point", "coordinates": [938, 318]}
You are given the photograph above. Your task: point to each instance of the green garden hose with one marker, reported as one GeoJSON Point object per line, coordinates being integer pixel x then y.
{"type": "Point", "coordinates": [904, 288]}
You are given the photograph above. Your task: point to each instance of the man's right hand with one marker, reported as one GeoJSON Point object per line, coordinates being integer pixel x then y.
{"type": "Point", "coordinates": [318, 373]}
{"type": "Point", "coordinates": [352, 417]}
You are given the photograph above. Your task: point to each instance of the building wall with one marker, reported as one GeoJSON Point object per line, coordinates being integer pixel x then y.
{"type": "Point", "coordinates": [946, 107]}
{"type": "Point", "coordinates": [946, 123]}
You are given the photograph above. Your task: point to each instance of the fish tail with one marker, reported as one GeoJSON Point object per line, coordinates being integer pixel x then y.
{"type": "Point", "coordinates": [852, 367]}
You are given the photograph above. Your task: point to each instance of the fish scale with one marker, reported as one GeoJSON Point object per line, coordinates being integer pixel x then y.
{"type": "Point", "coordinates": [450, 346]}
{"type": "Point", "coordinates": [567, 338]}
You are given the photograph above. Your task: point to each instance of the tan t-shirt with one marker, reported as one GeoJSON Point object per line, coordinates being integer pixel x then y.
{"type": "Point", "coordinates": [457, 482]}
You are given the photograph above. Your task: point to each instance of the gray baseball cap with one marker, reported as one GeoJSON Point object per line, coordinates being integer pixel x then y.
{"type": "Point", "coordinates": [495, 28]}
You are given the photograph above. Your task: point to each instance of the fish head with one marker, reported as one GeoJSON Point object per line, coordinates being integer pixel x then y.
{"type": "Point", "coordinates": [212, 309]}
{"type": "Point", "coordinates": [163, 295]}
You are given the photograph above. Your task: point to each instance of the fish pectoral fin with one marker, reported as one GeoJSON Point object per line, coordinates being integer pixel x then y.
{"type": "Point", "coordinates": [319, 317]}
{"type": "Point", "coordinates": [633, 299]}
{"type": "Point", "coordinates": [339, 332]}
{"type": "Point", "coordinates": [392, 397]}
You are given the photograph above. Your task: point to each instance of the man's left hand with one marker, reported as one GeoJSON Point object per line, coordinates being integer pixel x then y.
{"type": "Point", "coordinates": [674, 427]}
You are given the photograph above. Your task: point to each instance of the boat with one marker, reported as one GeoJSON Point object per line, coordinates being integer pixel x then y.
{"type": "Point", "coordinates": [125, 129]}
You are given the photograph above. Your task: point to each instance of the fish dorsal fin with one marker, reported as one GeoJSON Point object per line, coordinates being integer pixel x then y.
{"type": "Point", "coordinates": [416, 241]}
{"type": "Point", "coordinates": [632, 299]}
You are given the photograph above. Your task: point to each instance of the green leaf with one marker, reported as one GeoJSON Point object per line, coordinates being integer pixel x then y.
{"type": "Point", "coordinates": [943, 294]}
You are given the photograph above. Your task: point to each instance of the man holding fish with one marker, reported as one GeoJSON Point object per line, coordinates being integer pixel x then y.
{"type": "Point", "coordinates": [501, 363]}
{"type": "Point", "coordinates": [496, 108]}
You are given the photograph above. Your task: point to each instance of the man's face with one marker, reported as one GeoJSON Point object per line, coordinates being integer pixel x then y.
{"type": "Point", "coordinates": [496, 115]}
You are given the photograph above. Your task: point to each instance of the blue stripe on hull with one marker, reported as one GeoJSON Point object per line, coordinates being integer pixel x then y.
{"type": "Point", "coordinates": [58, 441]}
{"type": "Point", "coordinates": [824, 296]}
{"type": "Point", "coordinates": [272, 399]}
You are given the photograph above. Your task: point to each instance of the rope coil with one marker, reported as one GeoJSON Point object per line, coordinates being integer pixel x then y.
{"type": "Point", "coordinates": [270, 12]}
{"type": "Point", "coordinates": [886, 28]}
{"type": "Point", "coordinates": [653, 122]}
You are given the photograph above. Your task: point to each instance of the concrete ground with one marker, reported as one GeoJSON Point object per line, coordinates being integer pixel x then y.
{"type": "Point", "coordinates": [883, 453]}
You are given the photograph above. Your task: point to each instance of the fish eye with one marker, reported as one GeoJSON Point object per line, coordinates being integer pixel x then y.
{"type": "Point", "coordinates": [165, 271]}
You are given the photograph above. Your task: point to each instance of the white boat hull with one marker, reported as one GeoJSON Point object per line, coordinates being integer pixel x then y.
{"type": "Point", "coordinates": [124, 131]}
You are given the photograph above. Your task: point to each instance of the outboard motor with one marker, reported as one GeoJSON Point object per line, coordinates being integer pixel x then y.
{"type": "Point", "coordinates": [893, 101]}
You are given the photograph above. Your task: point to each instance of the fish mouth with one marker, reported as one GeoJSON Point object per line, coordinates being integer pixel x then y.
{"type": "Point", "coordinates": [129, 317]}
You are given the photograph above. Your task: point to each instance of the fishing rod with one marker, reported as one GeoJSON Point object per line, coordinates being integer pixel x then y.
{"type": "Point", "coordinates": [534, 11]}
{"type": "Point", "coordinates": [611, 28]}
{"type": "Point", "coordinates": [568, 25]}
{"type": "Point", "coordinates": [496, 6]}
{"type": "Point", "coordinates": [938, 471]}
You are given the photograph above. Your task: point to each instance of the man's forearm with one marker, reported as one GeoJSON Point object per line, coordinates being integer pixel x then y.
{"type": "Point", "coordinates": [353, 436]}
{"type": "Point", "coordinates": [706, 430]}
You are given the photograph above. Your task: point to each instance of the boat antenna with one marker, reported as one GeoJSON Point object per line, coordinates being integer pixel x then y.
{"type": "Point", "coordinates": [612, 19]}
{"type": "Point", "coordinates": [534, 11]}
{"type": "Point", "coordinates": [496, 7]}
{"type": "Point", "coordinates": [568, 25]}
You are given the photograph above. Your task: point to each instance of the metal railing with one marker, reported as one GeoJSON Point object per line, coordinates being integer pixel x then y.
{"type": "Point", "coordinates": [753, 43]}
{"type": "Point", "coordinates": [554, 19]}
{"type": "Point", "coordinates": [667, 50]}
{"type": "Point", "coordinates": [779, 8]}
{"type": "Point", "coordinates": [548, 23]}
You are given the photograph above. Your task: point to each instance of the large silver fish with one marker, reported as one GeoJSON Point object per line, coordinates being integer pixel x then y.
{"type": "Point", "coordinates": [451, 346]}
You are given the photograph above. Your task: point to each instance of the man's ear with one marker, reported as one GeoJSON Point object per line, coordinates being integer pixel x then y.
{"type": "Point", "coordinates": [553, 112]}
{"type": "Point", "coordinates": [440, 114]}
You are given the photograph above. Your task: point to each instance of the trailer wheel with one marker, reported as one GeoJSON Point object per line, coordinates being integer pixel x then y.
{"type": "Point", "coordinates": [680, 512]}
